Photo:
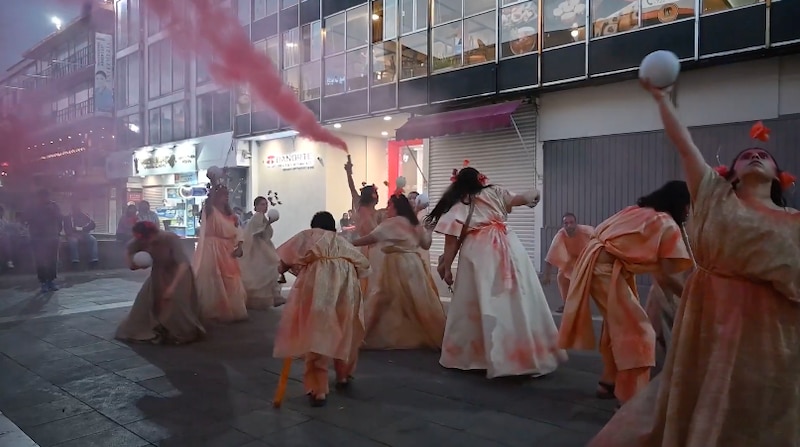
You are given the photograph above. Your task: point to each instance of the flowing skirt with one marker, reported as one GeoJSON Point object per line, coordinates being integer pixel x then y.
{"type": "Point", "coordinates": [219, 282]}
{"type": "Point", "coordinates": [176, 321]}
{"type": "Point", "coordinates": [499, 320]}
{"type": "Point", "coordinates": [405, 312]}
{"type": "Point", "coordinates": [260, 276]}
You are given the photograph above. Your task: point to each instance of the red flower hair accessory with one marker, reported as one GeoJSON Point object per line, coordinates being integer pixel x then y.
{"type": "Point", "coordinates": [760, 132]}
{"type": "Point", "coordinates": [466, 163]}
{"type": "Point", "coordinates": [722, 170]}
{"type": "Point", "coordinates": [786, 180]}
{"type": "Point", "coordinates": [483, 179]}
{"type": "Point", "coordinates": [453, 175]}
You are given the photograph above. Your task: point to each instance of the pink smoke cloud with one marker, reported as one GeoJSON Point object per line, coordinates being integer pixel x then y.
{"type": "Point", "coordinates": [214, 35]}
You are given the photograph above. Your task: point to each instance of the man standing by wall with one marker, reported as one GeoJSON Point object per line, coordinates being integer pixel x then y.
{"type": "Point", "coordinates": [44, 225]}
{"type": "Point", "coordinates": [78, 227]}
{"type": "Point", "coordinates": [567, 245]}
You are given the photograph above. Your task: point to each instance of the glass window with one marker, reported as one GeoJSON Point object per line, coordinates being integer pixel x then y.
{"type": "Point", "coordinates": [312, 41]}
{"type": "Point", "coordinates": [288, 3]}
{"type": "Point", "coordinates": [263, 8]}
{"type": "Point", "coordinates": [480, 43]}
{"type": "Point", "coordinates": [564, 22]}
{"type": "Point", "coordinates": [335, 34]}
{"type": "Point", "coordinates": [243, 9]}
{"type": "Point", "coordinates": [357, 28]}
{"type": "Point", "coordinates": [132, 67]}
{"type": "Point", "coordinates": [291, 77]}
{"type": "Point", "coordinates": [413, 15]}
{"type": "Point", "coordinates": [614, 16]}
{"type": "Point", "coordinates": [310, 81]}
{"type": "Point", "coordinates": [154, 120]}
{"type": "Point", "coordinates": [122, 24]}
{"type": "Point", "coordinates": [414, 55]}
{"type": "Point", "coordinates": [153, 24]}
{"type": "Point", "coordinates": [165, 67]}
{"type": "Point", "coordinates": [205, 114]}
{"type": "Point", "coordinates": [291, 48]}
{"type": "Point", "coordinates": [179, 121]}
{"type": "Point", "coordinates": [519, 32]}
{"type": "Point", "coordinates": [273, 49]}
{"type": "Point", "coordinates": [357, 67]}
{"type": "Point", "coordinates": [133, 22]}
{"type": "Point", "coordinates": [384, 20]}
{"type": "Point", "coordinates": [166, 124]}
{"type": "Point", "coordinates": [334, 75]}
{"type": "Point", "coordinates": [153, 64]}
{"type": "Point", "coordinates": [222, 112]}
{"type": "Point", "coordinates": [655, 13]}
{"type": "Point", "coordinates": [448, 46]}
{"type": "Point", "coordinates": [203, 75]}
{"type": "Point", "coordinates": [242, 100]}
{"type": "Point", "coordinates": [721, 5]}
{"type": "Point", "coordinates": [474, 7]}
{"type": "Point", "coordinates": [447, 10]}
{"type": "Point", "coordinates": [129, 132]}
{"type": "Point", "coordinates": [384, 62]}
{"type": "Point", "coordinates": [178, 73]}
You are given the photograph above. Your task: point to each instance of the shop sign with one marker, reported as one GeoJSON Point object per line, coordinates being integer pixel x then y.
{"type": "Point", "coordinates": [182, 159]}
{"type": "Point", "coordinates": [290, 162]}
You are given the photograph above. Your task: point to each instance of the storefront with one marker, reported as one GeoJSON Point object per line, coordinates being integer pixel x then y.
{"type": "Point", "coordinates": [499, 140]}
{"type": "Point", "coordinates": [303, 177]}
{"type": "Point", "coordinates": [604, 146]}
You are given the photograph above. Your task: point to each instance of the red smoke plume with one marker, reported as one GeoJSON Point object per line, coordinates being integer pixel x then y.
{"type": "Point", "coordinates": [215, 36]}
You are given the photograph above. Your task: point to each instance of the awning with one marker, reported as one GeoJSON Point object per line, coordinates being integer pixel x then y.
{"type": "Point", "coordinates": [476, 119]}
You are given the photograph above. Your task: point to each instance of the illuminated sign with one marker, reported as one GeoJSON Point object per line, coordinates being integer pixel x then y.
{"type": "Point", "coordinates": [289, 162]}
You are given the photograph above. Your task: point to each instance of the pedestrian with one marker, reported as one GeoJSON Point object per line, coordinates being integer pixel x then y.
{"type": "Point", "coordinates": [259, 262]}
{"type": "Point", "coordinates": [567, 245]}
{"type": "Point", "coordinates": [78, 227]}
{"type": "Point", "coordinates": [146, 214]}
{"type": "Point", "coordinates": [44, 226]}
{"type": "Point", "coordinates": [6, 241]}
{"type": "Point", "coordinates": [323, 318]}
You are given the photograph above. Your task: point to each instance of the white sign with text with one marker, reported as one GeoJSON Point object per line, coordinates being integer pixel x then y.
{"type": "Point", "coordinates": [288, 162]}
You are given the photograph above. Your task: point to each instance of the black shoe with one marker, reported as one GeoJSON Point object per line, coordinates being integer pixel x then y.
{"type": "Point", "coordinates": [316, 402]}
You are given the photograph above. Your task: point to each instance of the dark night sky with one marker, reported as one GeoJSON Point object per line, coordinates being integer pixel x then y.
{"type": "Point", "coordinates": [23, 23]}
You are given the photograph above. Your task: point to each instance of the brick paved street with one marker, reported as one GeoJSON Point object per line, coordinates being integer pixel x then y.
{"type": "Point", "coordinates": [66, 382]}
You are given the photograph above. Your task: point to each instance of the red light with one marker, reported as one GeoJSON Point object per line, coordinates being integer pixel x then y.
{"type": "Point", "coordinates": [4, 164]}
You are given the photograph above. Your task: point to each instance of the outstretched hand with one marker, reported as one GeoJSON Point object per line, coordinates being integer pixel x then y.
{"type": "Point", "coordinates": [348, 167]}
{"type": "Point", "coordinates": [658, 93]}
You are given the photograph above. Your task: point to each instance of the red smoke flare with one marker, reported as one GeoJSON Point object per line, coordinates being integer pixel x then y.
{"type": "Point", "coordinates": [215, 36]}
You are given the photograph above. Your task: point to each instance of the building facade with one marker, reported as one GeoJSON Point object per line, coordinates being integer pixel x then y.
{"type": "Point", "coordinates": [58, 109]}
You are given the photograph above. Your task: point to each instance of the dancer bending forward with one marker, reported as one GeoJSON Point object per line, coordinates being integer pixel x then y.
{"type": "Point", "coordinates": [166, 309]}
{"type": "Point", "coordinates": [499, 319]}
{"type": "Point", "coordinates": [731, 377]}
{"type": "Point", "coordinates": [323, 318]}
{"type": "Point", "coordinates": [404, 312]}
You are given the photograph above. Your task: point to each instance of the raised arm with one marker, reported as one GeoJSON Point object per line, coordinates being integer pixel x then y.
{"type": "Point", "coordinates": [348, 168]}
{"type": "Point", "coordinates": [693, 163]}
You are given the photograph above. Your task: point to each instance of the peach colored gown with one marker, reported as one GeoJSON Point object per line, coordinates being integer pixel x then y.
{"type": "Point", "coordinates": [154, 318]}
{"type": "Point", "coordinates": [366, 222]}
{"type": "Point", "coordinates": [637, 239]}
{"type": "Point", "coordinates": [259, 264]}
{"type": "Point", "coordinates": [219, 280]}
{"type": "Point", "coordinates": [564, 251]}
{"type": "Point", "coordinates": [425, 254]}
{"type": "Point", "coordinates": [499, 319]}
{"type": "Point", "coordinates": [324, 313]}
{"type": "Point", "coordinates": [405, 311]}
{"type": "Point", "coordinates": [731, 377]}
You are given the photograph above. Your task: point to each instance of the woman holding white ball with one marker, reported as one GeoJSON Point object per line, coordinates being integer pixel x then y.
{"type": "Point", "coordinates": [260, 261]}
{"type": "Point", "coordinates": [166, 310]}
{"type": "Point", "coordinates": [731, 376]}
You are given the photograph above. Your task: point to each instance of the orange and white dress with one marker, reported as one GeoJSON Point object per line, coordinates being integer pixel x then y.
{"type": "Point", "coordinates": [564, 251]}
{"type": "Point", "coordinates": [636, 239]}
{"type": "Point", "coordinates": [405, 311]}
{"type": "Point", "coordinates": [731, 377]}
{"type": "Point", "coordinates": [498, 319]}
{"type": "Point", "coordinates": [219, 281]}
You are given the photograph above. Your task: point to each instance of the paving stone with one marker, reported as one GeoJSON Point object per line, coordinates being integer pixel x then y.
{"type": "Point", "coordinates": [228, 438]}
{"type": "Point", "coordinates": [94, 348]}
{"type": "Point", "coordinates": [115, 437]}
{"type": "Point", "coordinates": [417, 433]}
{"type": "Point", "coordinates": [141, 373]}
{"type": "Point", "coordinates": [47, 412]}
{"type": "Point", "coordinates": [71, 339]}
{"type": "Point", "coordinates": [317, 434]}
{"type": "Point", "coordinates": [53, 433]}
{"type": "Point", "coordinates": [261, 423]}
{"type": "Point", "coordinates": [124, 363]}
{"type": "Point", "coordinates": [67, 370]}
{"type": "Point", "coordinates": [118, 353]}
{"type": "Point", "coordinates": [111, 395]}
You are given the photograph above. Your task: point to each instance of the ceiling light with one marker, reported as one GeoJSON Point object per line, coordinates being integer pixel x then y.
{"type": "Point", "coordinates": [376, 17]}
{"type": "Point", "coordinates": [387, 118]}
{"type": "Point", "coordinates": [337, 126]}
{"type": "Point", "coordinates": [385, 133]}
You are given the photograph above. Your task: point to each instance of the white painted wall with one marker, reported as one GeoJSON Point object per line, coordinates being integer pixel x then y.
{"type": "Point", "coordinates": [742, 92]}
{"type": "Point", "coordinates": [322, 188]}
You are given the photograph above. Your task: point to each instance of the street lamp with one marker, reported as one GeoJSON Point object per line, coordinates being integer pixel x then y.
{"type": "Point", "coordinates": [57, 22]}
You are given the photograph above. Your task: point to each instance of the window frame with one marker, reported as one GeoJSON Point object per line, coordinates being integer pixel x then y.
{"type": "Point", "coordinates": [461, 21]}
{"type": "Point", "coordinates": [327, 56]}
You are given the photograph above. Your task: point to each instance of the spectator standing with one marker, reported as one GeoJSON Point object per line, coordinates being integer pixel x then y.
{"type": "Point", "coordinates": [78, 227]}
{"type": "Point", "coordinates": [44, 225]}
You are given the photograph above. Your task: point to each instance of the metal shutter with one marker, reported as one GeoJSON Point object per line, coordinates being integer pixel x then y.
{"type": "Point", "coordinates": [501, 156]}
{"type": "Point", "coordinates": [154, 195]}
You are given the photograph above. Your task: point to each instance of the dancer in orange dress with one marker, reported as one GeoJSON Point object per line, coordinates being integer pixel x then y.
{"type": "Point", "coordinates": [645, 238]}
{"type": "Point", "coordinates": [367, 217]}
{"type": "Point", "coordinates": [219, 281]}
{"type": "Point", "coordinates": [731, 377]}
{"type": "Point", "coordinates": [323, 318]}
{"type": "Point", "coordinates": [567, 245]}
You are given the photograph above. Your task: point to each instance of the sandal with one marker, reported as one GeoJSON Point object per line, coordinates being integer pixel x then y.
{"type": "Point", "coordinates": [605, 391]}
{"type": "Point", "coordinates": [315, 401]}
{"type": "Point", "coordinates": [344, 384]}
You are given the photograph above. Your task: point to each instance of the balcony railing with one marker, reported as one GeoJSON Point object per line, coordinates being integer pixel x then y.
{"type": "Point", "coordinates": [58, 69]}
{"type": "Point", "coordinates": [75, 111]}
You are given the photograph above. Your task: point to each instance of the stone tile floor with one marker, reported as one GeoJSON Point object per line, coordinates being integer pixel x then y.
{"type": "Point", "coordinates": [66, 382]}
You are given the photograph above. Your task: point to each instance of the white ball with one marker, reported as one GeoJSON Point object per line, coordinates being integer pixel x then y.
{"type": "Point", "coordinates": [273, 215]}
{"type": "Point", "coordinates": [661, 68]}
{"type": "Point", "coordinates": [142, 259]}
{"type": "Point", "coordinates": [423, 201]}
{"type": "Point", "coordinates": [400, 182]}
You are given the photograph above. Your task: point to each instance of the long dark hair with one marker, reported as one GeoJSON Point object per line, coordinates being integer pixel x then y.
{"type": "Point", "coordinates": [672, 198]}
{"type": "Point", "coordinates": [403, 208]}
{"type": "Point", "coordinates": [208, 206]}
{"type": "Point", "coordinates": [366, 198]}
{"type": "Point", "coordinates": [775, 192]}
{"type": "Point", "coordinates": [144, 229]}
{"type": "Point", "coordinates": [466, 184]}
{"type": "Point", "coordinates": [324, 220]}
